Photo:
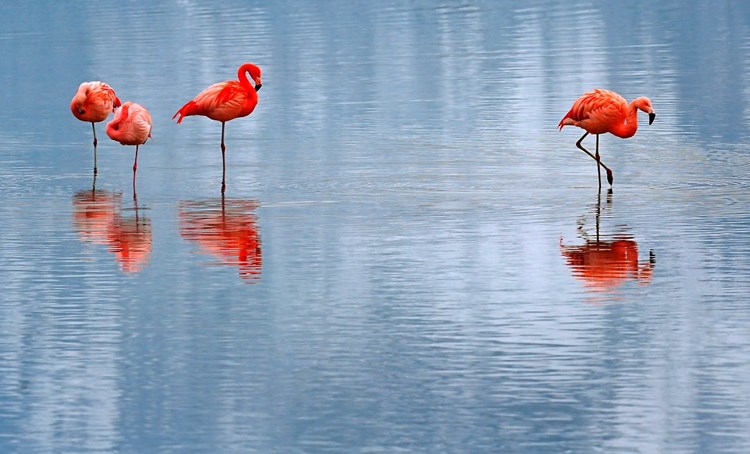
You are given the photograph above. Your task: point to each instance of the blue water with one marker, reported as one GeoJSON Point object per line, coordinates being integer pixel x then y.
{"type": "Point", "coordinates": [409, 255]}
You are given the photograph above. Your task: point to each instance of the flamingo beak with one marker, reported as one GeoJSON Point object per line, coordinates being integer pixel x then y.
{"type": "Point", "coordinates": [258, 85]}
{"type": "Point", "coordinates": [651, 117]}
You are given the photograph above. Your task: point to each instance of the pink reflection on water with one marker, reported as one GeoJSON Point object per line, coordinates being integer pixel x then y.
{"type": "Point", "coordinates": [227, 230]}
{"type": "Point", "coordinates": [98, 218]}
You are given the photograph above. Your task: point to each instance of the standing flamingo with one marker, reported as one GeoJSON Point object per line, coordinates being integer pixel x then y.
{"type": "Point", "coordinates": [93, 102]}
{"type": "Point", "coordinates": [224, 101]}
{"type": "Point", "coordinates": [131, 126]}
{"type": "Point", "coordinates": [601, 111]}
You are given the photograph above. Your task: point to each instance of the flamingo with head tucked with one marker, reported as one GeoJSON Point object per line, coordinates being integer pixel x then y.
{"type": "Point", "coordinates": [131, 126]}
{"type": "Point", "coordinates": [601, 111]}
{"type": "Point", "coordinates": [93, 102]}
{"type": "Point", "coordinates": [224, 101]}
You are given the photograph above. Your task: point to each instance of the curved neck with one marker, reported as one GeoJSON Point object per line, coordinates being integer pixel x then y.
{"type": "Point", "coordinates": [630, 123]}
{"type": "Point", "coordinates": [242, 75]}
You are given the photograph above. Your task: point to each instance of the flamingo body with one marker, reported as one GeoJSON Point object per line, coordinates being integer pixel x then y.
{"type": "Point", "coordinates": [603, 111]}
{"type": "Point", "coordinates": [224, 101]}
{"type": "Point", "coordinates": [131, 124]}
{"type": "Point", "coordinates": [94, 101]}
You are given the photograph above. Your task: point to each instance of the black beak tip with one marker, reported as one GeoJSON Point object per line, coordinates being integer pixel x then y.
{"type": "Point", "coordinates": [257, 86]}
{"type": "Point", "coordinates": [651, 117]}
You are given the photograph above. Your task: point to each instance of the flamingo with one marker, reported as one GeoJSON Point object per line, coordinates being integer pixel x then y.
{"type": "Point", "coordinates": [224, 101]}
{"type": "Point", "coordinates": [131, 126]}
{"type": "Point", "coordinates": [601, 111]}
{"type": "Point", "coordinates": [93, 102]}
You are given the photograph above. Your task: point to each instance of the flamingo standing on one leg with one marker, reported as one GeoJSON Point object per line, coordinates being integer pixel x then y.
{"type": "Point", "coordinates": [600, 111]}
{"type": "Point", "coordinates": [224, 101]}
{"type": "Point", "coordinates": [131, 126]}
{"type": "Point", "coordinates": [93, 102]}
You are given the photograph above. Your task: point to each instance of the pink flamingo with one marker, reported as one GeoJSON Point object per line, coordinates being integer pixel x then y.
{"type": "Point", "coordinates": [224, 101]}
{"type": "Point", "coordinates": [93, 102]}
{"type": "Point", "coordinates": [601, 111]}
{"type": "Point", "coordinates": [131, 126]}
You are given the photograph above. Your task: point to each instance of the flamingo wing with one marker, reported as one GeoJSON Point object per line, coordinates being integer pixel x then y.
{"type": "Point", "coordinates": [102, 94]}
{"type": "Point", "coordinates": [596, 110]}
{"type": "Point", "coordinates": [131, 125]}
{"type": "Point", "coordinates": [221, 101]}
{"type": "Point", "coordinates": [142, 120]}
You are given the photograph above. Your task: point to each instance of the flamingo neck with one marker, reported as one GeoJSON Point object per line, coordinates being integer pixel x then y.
{"type": "Point", "coordinates": [242, 75]}
{"type": "Point", "coordinates": [630, 123]}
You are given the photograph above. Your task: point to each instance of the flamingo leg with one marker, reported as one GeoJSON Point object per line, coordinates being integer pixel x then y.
{"type": "Point", "coordinates": [610, 178]}
{"type": "Point", "coordinates": [598, 162]}
{"type": "Point", "coordinates": [93, 128]}
{"type": "Point", "coordinates": [135, 205]}
{"type": "Point", "coordinates": [598, 208]}
{"type": "Point", "coordinates": [135, 167]}
{"type": "Point", "coordinates": [223, 160]}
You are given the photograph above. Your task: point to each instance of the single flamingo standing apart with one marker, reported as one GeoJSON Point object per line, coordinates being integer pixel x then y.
{"type": "Point", "coordinates": [224, 101]}
{"type": "Point", "coordinates": [131, 126]}
{"type": "Point", "coordinates": [93, 102]}
{"type": "Point", "coordinates": [601, 111]}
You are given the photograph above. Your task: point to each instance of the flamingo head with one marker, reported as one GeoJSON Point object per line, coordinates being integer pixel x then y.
{"type": "Point", "coordinates": [78, 103]}
{"type": "Point", "coordinates": [253, 71]}
{"type": "Point", "coordinates": [644, 104]}
{"type": "Point", "coordinates": [115, 127]}
{"type": "Point", "coordinates": [257, 80]}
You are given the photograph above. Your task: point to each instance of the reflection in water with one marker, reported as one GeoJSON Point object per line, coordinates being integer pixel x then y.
{"type": "Point", "coordinates": [98, 218]}
{"type": "Point", "coordinates": [94, 214]}
{"type": "Point", "coordinates": [226, 229]}
{"type": "Point", "coordinates": [604, 262]}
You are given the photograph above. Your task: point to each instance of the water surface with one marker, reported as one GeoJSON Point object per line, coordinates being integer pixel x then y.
{"type": "Point", "coordinates": [408, 257]}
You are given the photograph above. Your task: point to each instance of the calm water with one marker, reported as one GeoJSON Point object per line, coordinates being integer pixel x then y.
{"type": "Point", "coordinates": [409, 255]}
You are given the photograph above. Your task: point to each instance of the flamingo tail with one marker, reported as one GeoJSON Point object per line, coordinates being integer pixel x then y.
{"type": "Point", "coordinates": [191, 108]}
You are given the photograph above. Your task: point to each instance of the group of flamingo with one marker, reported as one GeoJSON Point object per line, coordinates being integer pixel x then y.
{"type": "Point", "coordinates": [131, 125]}
{"type": "Point", "coordinates": [597, 112]}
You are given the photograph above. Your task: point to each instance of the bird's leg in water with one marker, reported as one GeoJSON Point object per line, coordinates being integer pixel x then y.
{"type": "Point", "coordinates": [93, 128]}
{"type": "Point", "coordinates": [223, 161]}
{"type": "Point", "coordinates": [599, 162]}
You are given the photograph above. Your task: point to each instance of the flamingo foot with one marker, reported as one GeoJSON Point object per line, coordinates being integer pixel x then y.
{"type": "Point", "coordinates": [610, 177]}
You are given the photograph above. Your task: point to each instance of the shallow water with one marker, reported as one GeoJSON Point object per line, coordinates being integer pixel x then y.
{"type": "Point", "coordinates": [409, 255]}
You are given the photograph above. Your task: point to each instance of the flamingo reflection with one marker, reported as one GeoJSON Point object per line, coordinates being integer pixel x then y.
{"type": "Point", "coordinates": [94, 214]}
{"type": "Point", "coordinates": [605, 262]}
{"type": "Point", "coordinates": [98, 218]}
{"type": "Point", "coordinates": [227, 230]}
